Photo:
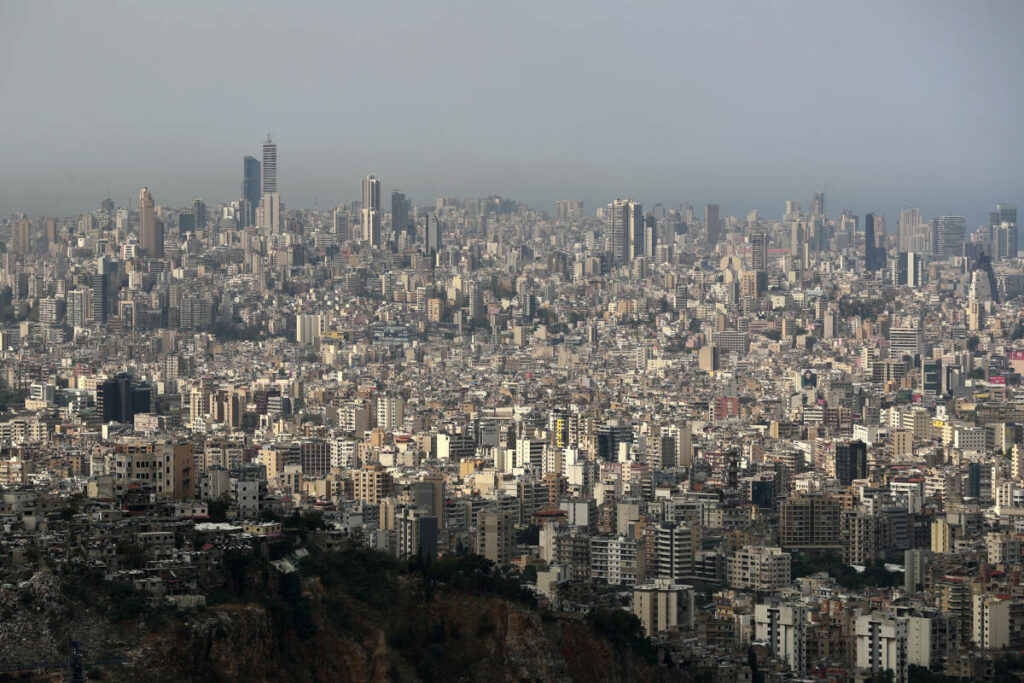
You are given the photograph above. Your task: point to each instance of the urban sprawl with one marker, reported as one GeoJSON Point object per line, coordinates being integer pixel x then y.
{"type": "Point", "coordinates": [788, 446]}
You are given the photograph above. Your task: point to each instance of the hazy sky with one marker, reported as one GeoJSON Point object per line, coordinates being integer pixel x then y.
{"type": "Point", "coordinates": [886, 104]}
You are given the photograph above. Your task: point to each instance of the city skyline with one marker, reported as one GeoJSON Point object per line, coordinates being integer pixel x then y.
{"type": "Point", "coordinates": [470, 341]}
{"type": "Point", "coordinates": [941, 137]}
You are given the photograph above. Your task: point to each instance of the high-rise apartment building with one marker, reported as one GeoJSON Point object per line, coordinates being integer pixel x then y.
{"type": "Point", "coordinates": [818, 204]}
{"type": "Point", "coordinates": [371, 210]}
{"type": "Point", "coordinates": [101, 285]}
{"type": "Point", "coordinates": [915, 235]}
{"type": "Point", "coordinates": [198, 214]}
{"type": "Point", "coordinates": [432, 236]}
{"type": "Point", "coordinates": [676, 547]}
{"type": "Point", "coordinates": [1004, 213]}
{"type": "Point", "coordinates": [809, 522]}
{"type": "Point", "coordinates": [251, 190]}
{"type": "Point", "coordinates": [759, 251]}
{"type": "Point", "coordinates": [908, 269]}
{"type": "Point", "coordinates": [77, 307]}
{"type": "Point", "coordinates": [268, 213]}
{"type": "Point", "coordinates": [401, 220]}
{"type": "Point", "coordinates": [371, 483]}
{"type": "Point", "coordinates": [1003, 238]}
{"type": "Point", "coordinates": [784, 628]}
{"type": "Point", "coordinates": [151, 229]}
{"type": "Point", "coordinates": [269, 169]}
{"type": "Point", "coordinates": [494, 536]}
{"type": "Point", "coordinates": [626, 230]}
{"type": "Point", "coordinates": [711, 223]}
{"type": "Point", "coordinates": [567, 210]}
{"type": "Point", "coordinates": [874, 256]}
{"type": "Point", "coordinates": [759, 568]}
{"type": "Point", "coordinates": [22, 235]}
{"type": "Point", "coordinates": [308, 329]}
{"type": "Point", "coordinates": [949, 233]}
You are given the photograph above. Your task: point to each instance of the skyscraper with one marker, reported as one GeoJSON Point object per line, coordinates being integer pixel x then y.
{"type": "Point", "coordinates": [269, 166]}
{"type": "Point", "coordinates": [22, 235]}
{"type": "Point", "coordinates": [909, 220]}
{"type": "Point", "coordinates": [198, 214]}
{"type": "Point", "coordinates": [873, 256]}
{"type": "Point", "coordinates": [626, 230]}
{"type": "Point", "coordinates": [949, 232]}
{"type": "Point", "coordinates": [432, 235]}
{"type": "Point", "coordinates": [711, 223]}
{"type": "Point", "coordinates": [759, 251]}
{"type": "Point", "coordinates": [908, 269]}
{"type": "Point", "coordinates": [100, 282]}
{"type": "Point", "coordinates": [818, 204]}
{"type": "Point", "coordinates": [568, 210]}
{"type": "Point", "coordinates": [1003, 232]}
{"type": "Point", "coordinates": [1007, 213]}
{"type": "Point", "coordinates": [371, 210]}
{"type": "Point", "coordinates": [151, 237]}
{"type": "Point", "coordinates": [251, 190]}
{"type": "Point", "coordinates": [268, 213]}
{"type": "Point", "coordinates": [400, 208]}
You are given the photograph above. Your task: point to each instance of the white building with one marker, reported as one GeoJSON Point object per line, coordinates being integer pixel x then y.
{"type": "Point", "coordinates": [613, 559]}
{"type": "Point", "coordinates": [663, 605]}
{"type": "Point", "coordinates": [782, 627]}
{"type": "Point", "coordinates": [882, 643]}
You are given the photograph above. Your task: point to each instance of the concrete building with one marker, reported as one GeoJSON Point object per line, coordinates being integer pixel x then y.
{"type": "Point", "coordinates": [663, 605]}
{"type": "Point", "coordinates": [783, 629]}
{"type": "Point", "coordinates": [882, 642]}
{"type": "Point", "coordinates": [494, 536]}
{"type": "Point", "coordinates": [168, 467]}
{"type": "Point", "coordinates": [759, 568]}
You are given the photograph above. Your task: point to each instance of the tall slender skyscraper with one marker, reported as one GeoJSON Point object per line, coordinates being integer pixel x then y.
{"type": "Point", "coordinates": [101, 290]}
{"type": "Point", "coordinates": [949, 234]}
{"type": "Point", "coordinates": [432, 236]}
{"type": "Point", "coordinates": [625, 228]}
{"type": "Point", "coordinates": [1003, 232]}
{"type": "Point", "coordinates": [759, 251]}
{"type": "Point", "coordinates": [400, 222]}
{"type": "Point", "coordinates": [818, 204]}
{"type": "Point", "coordinates": [371, 210]}
{"type": "Point", "coordinates": [873, 256]}
{"type": "Point", "coordinates": [910, 219]}
{"type": "Point", "coordinates": [711, 223]}
{"type": "Point", "coordinates": [198, 214]}
{"type": "Point", "coordinates": [269, 166]}
{"type": "Point", "coordinates": [151, 237]}
{"type": "Point", "coordinates": [251, 189]}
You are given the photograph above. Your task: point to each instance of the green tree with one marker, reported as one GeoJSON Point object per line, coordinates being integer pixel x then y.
{"type": "Point", "coordinates": [755, 673]}
{"type": "Point", "coordinates": [218, 508]}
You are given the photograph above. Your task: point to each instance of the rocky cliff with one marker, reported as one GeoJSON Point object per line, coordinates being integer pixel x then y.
{"type": "Point", "coordinates": [355, 617]}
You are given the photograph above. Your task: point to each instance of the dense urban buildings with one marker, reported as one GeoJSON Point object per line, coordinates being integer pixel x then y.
{"type": "Point", "coordinates": [794, 441]}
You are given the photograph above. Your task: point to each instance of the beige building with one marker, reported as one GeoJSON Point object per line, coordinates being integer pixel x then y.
{"type": "Point", "coordinates": [663, 605]}
{"type": "Point", "coordinates": [494, 536]}
{"type": "Point", "coordinates": [810, 522]}
{"type": "Point", "coordinates": [901, 440]}
{"type": "Point", "coordinates": [759, 568]}
{"type": "Point", "coordinates": [168, 467]}
{"type": "Point", "coordinates": [942, 536]}
{"type": "Point", "coordinates": [997, 622]}
{"type": "Point", "coordinates": [371, 483]}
